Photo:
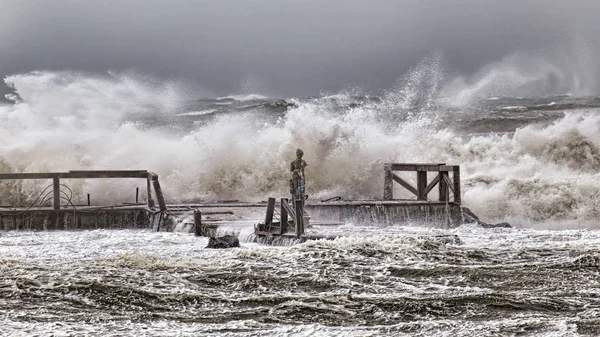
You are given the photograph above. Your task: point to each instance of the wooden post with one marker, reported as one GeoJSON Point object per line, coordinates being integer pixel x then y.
{"type": "Point", "coordinates": [56, 203]}
{"type": "Point", "coordinates": [89, 203]}
{"type": "Point", "coordinates": [284, 217]}
{"type": "Point", "coordinates": [443, 187]}
{"type": "Point", "coordinates": [270, 212]}
{"type": "Point", "coordinates": [149, 190]}
{"type": "Point", "coordinates": [137, 194]}
{"type": "Point", "coordinates": [198, 230]}
{"type": "Point", "coordinates": [159, 195]}
{"type": "Point", "coordinates": [56, 183]}
{"type": "Point", "coordinates": [456, 181]}
{"type": "Point", "coordinates": [388, 184]}
{"type": "Point", "coordinates": [421, 185]}
{"type": "Point", "coordinates": [299, 218]}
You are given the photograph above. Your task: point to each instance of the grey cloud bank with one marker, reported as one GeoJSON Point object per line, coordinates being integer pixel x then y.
{"type": "Point", "coordinates": [289, 47]}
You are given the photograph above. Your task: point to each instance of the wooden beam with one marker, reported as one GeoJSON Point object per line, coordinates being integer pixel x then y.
{"type": "Point", "coordinates": [421, 185]}
{"type": "Point", "coordinates": [456, 178]}
{"type": "Point", "coordinates": [198, 230]}
{"type": "Point", "coordinates": [77, 174]}
{"type": "Point", "coordinates": [56, 186]}
{"type": "Point", "coordinates": [443, 188]}
{"type": "Point", "coordinates": [283, 216]}
{"type": "Point", "coordinates": [449, 168]}
{"type": "Point", "coordinates": [159, 194]}
{"type": "Point", "coordinates": [404, 184]}
{"type": "Point", "coordinates": [388, 183]}
{"type": "Point", "coordinates": [432, 184]}
{"type": "Point", "coordinates": [149, 190]}
{"type": "Point", "coordinates": [299, 217]}
{"type": "Point", "coordinates": [450, 184]}
{"type": "Point", "coordinates": [415, 167]}
{"type": "Point", "coordinates": [270, 212]}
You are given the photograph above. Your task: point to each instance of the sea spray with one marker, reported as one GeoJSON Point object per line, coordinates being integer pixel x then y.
{"type": "Point", "coordinates": [68, 121]}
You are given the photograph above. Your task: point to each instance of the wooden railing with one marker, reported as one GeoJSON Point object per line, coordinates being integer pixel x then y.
{"type": "Point", "coordinates": [442, 180]}
{"type": "Point", "coordinates": [151, 181]}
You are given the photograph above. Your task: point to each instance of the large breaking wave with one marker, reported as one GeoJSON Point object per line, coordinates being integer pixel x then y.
{"type": "Point", "coordinates": [544, 170]}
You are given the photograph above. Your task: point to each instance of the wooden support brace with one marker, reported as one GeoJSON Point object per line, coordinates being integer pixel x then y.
{"type": "Point", "coordinates": [405, 184]}
{"type": "Point", "coordinates": [149, 191]}
{"type": "Point", "coordinates": [159, 195]}
{"type": "Point", "coordinates": [450, 184]}
{"type": "Point", "coordinates": [432, 184]}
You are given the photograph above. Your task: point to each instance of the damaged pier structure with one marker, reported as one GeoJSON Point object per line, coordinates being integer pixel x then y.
{"type": "Point", "coordinates": [412, 193]}
{"type": "Point", "coordinates": [301, 220]}
{"type": "Point", "coordinates": [55, 210]}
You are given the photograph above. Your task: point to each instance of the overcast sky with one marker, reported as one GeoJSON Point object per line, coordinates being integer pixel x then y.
{"type": "Point", "coordinates": [288, 48]}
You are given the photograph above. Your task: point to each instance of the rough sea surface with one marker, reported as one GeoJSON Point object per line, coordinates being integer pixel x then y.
{"type": "Point", "coordinates": [533, 162]}
{"type": "Point", "coordinates": [393, 281]}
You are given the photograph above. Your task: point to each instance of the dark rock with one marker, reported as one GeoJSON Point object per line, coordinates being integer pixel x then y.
{"type": "Point", "coordinates": [227, 241]}
{"type": "Point", "coordinates": [470, 217]}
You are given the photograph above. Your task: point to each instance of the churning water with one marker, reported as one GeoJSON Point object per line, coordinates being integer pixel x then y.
{"type": "Point", "coordinates": [531, 161]}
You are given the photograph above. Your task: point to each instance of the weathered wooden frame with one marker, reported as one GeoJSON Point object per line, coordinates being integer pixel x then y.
{"type": "Point", "coordinates": [442, 180]}
{"type": "Point", "coordinates": [151, 181]}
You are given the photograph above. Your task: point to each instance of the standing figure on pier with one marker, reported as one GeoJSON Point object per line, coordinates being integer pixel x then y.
{"type": "Point", "coordinates": [297, 182]}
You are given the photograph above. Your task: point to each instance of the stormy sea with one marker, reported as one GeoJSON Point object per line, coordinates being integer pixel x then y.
{"type": "Point", "coordinates": [531, 161]}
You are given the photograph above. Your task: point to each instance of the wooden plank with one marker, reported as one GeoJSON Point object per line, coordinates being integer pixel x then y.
{"type": "Point", "coordinates": [388, 183]}
{"type": "Point", "coordinates": [432, 184]}
{"type": "Point", "coordinates": [283, 216]}
{"type": "Point", "coordinates": [416, 167]}
{"type": "Point", "coordinates": [404, 184]}
{"type": "Point", "coordinates": [421, 185]}
{"type": "Point", "coordinates": [270, 212]}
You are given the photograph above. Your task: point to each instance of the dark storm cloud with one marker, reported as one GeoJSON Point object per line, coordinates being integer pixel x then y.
{"type": "Point", "coordinates": [288, 47]}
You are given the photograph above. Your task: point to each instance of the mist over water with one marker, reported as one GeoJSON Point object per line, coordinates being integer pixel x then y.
{"type": "Point", "coordinates": [532, 161]}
